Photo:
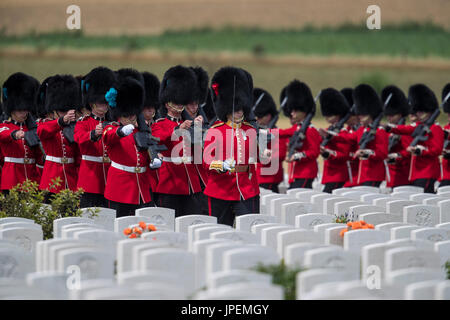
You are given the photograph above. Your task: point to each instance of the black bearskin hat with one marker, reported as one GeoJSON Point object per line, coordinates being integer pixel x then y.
{"type": "Point", "coordinates": [398, 103]}
{"type": "Point", "coordinates": [229, 82]}
{"type": "Point", "coordinates": [299, 97]}
{"type": "Point", "coordinates": [209, 107]}
{"type": "Point", "coordinates": [126, 98]}
{"type": "Point", "coordinates": [41, 110]}
{"type": "Point", "coordinates": [284, 107]}
{"type": "Point", "coordinates": [445, 92]}
{"type": "Point", "coordinates": [421, 98]}
{"type": "Point", "coordinates": [19, 93]}
{"type": "Point", "coordinates": [367, 101]}
{"type": "Point", "coordinates": [179, 86]}
{"type": "Point", "coordinates": [130, 72]}
{"type": "Point", "coordinates": [333, 103]}
{"type": "Point", "coordinates": [202, 84]}
{"type": "Point", "coordinates": [151, 90]}
{"type": "Point", "coordinates": [95, 85]}
{"type": "Point", "coordinates": [348, 94]}
{"type": "Point", "coordinates": [266, 105]}
{"type": "Point", "coordinates": [63, 93]}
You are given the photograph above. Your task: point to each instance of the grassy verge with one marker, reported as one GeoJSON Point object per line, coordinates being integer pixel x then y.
{"type": "Point", "coordinates": [407, 39]}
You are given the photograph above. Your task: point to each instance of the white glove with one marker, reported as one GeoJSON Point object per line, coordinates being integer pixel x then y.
{"type": "Point", "coordinates": [155, 164]}
{"type": "Point", "coordinates": [299, 155]}
{"type": "Point", "coordinates": [126, 130]}
{"type": "Point", "coordinates": [228, 165]}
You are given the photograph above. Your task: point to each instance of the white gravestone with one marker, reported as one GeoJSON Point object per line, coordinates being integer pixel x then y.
{"type": "Point", "coordinates": [289, 211]}
{"type": "Point", "coordinates": [410, 257]}
{"type": "Point", "coordinates": [308, 221]}
{"type": "Point", "coordinates": [333, 258]}
{"type": "Point", "coordinates": [377, 218]}
{"type": "Point", "coordinates": [403, 232]}
{"type": "Point", "coordinates": [237, 276]}
{"type": "Point", "coordinates": [104, 216]}
{"type": "Point", "coordinates": [286, 238]}
{"type": "Point", "coordinates": [247, 221]}
{"type": "Point", "coordinates": [245, 237]}
{"type": "Point", "coordinates": [160, 217]}
{"type": "Point", "coordinates": [250, 257]}
{"type": "Point", "coordinates": [294, 253]}
{"type": "Point", "coordinates": [175, 239]}
{"type": "Point", "coordinates": [59, 223]}
{"type": "Point", "coordinates": [430, 234]}
{"type": "Point", "coordinates": [15, 262]}
{"type": "Point", "coordinates": [396, 207]}
{"type": "Point", "coordinates": [444, 211]}
{"type": "Point", "coordinates": [182, 223]}
{"type": "Point", "coordinates": [421, 215]}
{"type": "Point", "coordinates": [354, 240]}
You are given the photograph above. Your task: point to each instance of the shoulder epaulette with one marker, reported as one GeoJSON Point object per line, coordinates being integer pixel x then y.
{"type": "Point", "coordinates": [82, 118]}
{"type": "Point", "coordinates": [160, 119]}
{"type": "Point", "coordinates": [217, 124]}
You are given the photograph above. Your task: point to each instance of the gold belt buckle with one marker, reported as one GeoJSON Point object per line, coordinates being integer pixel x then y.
{"type": "Point", "coordinates": [184, 159]}
{"type": "Point", "coordinates": [26, 161]}
{"type": "Point", "coordinates": [65, 160]}
{"type": "Point", "coordinates": [137, 169]}
{"type": "Point", "coordinates": [106, 160]}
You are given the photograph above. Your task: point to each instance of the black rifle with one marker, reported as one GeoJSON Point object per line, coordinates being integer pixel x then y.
{"type": "Point", "coordinates": [145, 140]}
{"type": "Point", "coordinates": [446, 145]}
{"type": "Point", "coordinates": [205, 124]}
{"type": "Point", "coordinates": [337, 127]}
{"type": "Point", "coordinates": [31, 137]}
{"type": "Point", "coordinates": [394, 139]}
{"type": "Point", "coordinates": [274, 120]}
{"type": "Point", "coordinates": [297, 139]}
{"type": "Point", "coordinates": [69, 130]}
{"type": "Point", "coordinates": [369, 135]}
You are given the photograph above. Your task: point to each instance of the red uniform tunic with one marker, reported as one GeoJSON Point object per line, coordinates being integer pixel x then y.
{"type": "Point", "coordinates": [352, 163]}
{"type": "Point", "coordinates": [426, 165]}
{"type": "Point", "coordinates": [233, 186]}
{"type": "Point", "coordinates": [372, 168]}
{"type": "Point", "coordinates": [128, 178]}
{"type": "Point", "coordinates": [399, 171]}
{"type": "Point", "coordinates": [278, 147]}
{"type": "Point", "coordinates": [178, 174]}
{"type": "Point", "coordinates": [94, 159]}
{"type": "Point", "coordinates": [445, 174]}
{"type": "Point", "coordinates": [335, 168]}
{"type": "Point", "coordinates": [19, 158]}
{"type": "Point", "coordinates": [305, 168]}
{"type": "Point", "coordinates": [62, 157]}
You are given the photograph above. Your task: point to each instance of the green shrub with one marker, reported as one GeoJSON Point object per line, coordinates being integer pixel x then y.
{"type": "Point", "coordinates": [284, 276]}
{"type": "Point", "coordinates": [26, 201]}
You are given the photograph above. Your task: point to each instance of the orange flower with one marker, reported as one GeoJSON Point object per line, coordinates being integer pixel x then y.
{"type": "Point", "coordinates": [132, 236]}
{"type": "Point", "coordinates": [151, 227]}
{"type": "Point", "coordinates": [363, 223]}
{"type": "Point", "coordinates": [137, 230]}
{"type": "Point", "coordinates": [142, 225]}
{"type": "Point", "coordinates": [356, 225]}
{"type": "Point", "coordinates": [343, 231]}
{"type": "Point", "coordinates": [349, 224]}
{"type": "Point", "coordinates": [370, 226]}
{"type": "Point", "coordinates": [127, 231]}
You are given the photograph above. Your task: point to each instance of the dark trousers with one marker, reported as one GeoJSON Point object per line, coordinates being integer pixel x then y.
{"type": "Point", "coordinates": [329, 187]}
{"type": "Point", "coordinates": [270, 186]}
{"type": "Point", "coordinates": [126, 209]}
{"type": "Point", "coordinates": [93, 200]}
{"type": "Point", "coordinates": [227, 210]}
{"type": "Point", "coordinates": [301, 183]}
{"type": "Point", "coordinates": [371, 183]}
{"type": "Point", "coordinates": [426, 184]}
{"type": "Point", "coordinates": [444, 183]}
{"type": "Point", "coordinates": [182, 204]}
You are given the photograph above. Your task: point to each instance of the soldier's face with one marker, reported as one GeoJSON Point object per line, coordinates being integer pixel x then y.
{"type": "Point", "coordinates": [19, 116]}
{"type": "Point", "coordinates": [149, 113]}
{"type": "Point", "coordinates": [365, 119]}
{"type": "Point", "coordinates": [192, 108]}
{"type": "Point", "coordinates": [236, 117]}
{"type": "Point", "coordinates": [332, 119]}
{"type": "Point", "coordinates": [298, 116]}
{"type": "Point", "coordinates": [353, 120]}
{"type": "Point", "coordinates": [422, 116]}
{"type": "Point", "coordinates": [128, 120]}
{"type": "Point", "coordinates": [264, 121]}
{"type": "Point", "coordinates": [99, 109]}
{"type": "Point", "coordinates": [394, 118]}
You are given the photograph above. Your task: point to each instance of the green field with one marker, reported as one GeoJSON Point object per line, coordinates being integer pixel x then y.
{"type": "Point", "coordinates": [405, 40]}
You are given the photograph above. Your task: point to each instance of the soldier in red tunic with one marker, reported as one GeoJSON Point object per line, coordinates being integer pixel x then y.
{"type": "Point", "coordinates": [371, 171]}
{"type": "Point", "coordinates": [425, 165]}
{"type": "Point", "coordinates": [19, 92]}
{"type": "Point", "coordinates": [270, 174]}
{"type": "Point", "coordinates": [150, 110]}
{"type": "Point", "coordinates": [303, 167]}
{"type": "Point", "coordinates": [334, 107]}
{"type": "Point", "coordinates": [230, 152]}
{"type": "Point", "coordinates": [62, 157]}
{"type": "Point", "coordinates": [128, 181]}
{"type": "Point", "coordinates": [178, 177]}
{"type": "Point", "coordinates": [399, 159]}
{"type": "Point", "coordinates": [88, 133]}
{"type": "Point", "coordinates": [445, 176]}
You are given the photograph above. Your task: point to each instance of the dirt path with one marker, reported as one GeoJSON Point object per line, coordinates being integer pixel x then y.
{"type": "Point", "coordinates": [144, 16]}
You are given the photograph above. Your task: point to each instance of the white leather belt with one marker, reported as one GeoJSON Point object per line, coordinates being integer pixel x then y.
{"type": "Point", "coordinates": [63, 160]}
{"type": "Point", "coordinates": [20, 160]}
{"type": "Point", "coordinates": [178, 160]}
{"type": "Point", "coordinates": [95, 159]}
{"type": "Point", "coordinates": [127, 168]}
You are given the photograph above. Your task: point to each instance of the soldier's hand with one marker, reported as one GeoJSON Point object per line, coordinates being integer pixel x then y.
{"type": "Point", "coordinates": [361, 153]}
{"type": "Point", "coordinates": [19, 134]}
{"type": "Point", "coordinates": [98, 129]}
{"type": "Point", "coordinates": [156, 163]}
{"type": "Point", "coordinates": [126, 130]}
{"type": "Point", "coordinates": [186, 124]}
{"type": "Point", "coordinates": [323, 132]}
{"type": "Point", "coordinates": [198, 120]}
{"type": "Point", "coordinates": [69, 117]}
